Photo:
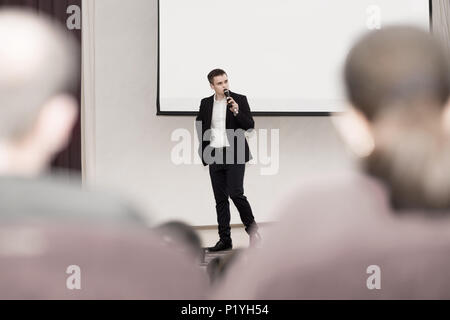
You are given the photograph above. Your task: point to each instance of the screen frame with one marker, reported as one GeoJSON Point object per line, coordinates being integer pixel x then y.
{"type": "Point", "coordinates": [254, 113]}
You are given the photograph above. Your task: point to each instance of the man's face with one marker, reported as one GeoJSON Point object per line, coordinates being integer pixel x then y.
{"type": "Point", "coordinates": [219, 84]}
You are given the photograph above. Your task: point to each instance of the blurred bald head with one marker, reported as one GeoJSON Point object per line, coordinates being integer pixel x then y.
{"type": "Point", "coordinates": [37, 62]}
{"type": "Point", "coordinates": [398, 65]}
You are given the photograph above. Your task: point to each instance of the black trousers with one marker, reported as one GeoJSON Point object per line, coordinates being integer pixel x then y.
{"type": "Point", "coordinates": [228, 181]}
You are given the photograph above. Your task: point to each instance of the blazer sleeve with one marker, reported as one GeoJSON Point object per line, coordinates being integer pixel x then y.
{"type": "Point", "coordinates": [200, 113]}
{"type": "Point", "coordinates": [199, 123]}
{"type": "Point", "coordinates": [244, 116]}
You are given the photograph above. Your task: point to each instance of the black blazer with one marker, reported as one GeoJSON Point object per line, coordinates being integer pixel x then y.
{"type": "Point", "coordinates": [243, 120]}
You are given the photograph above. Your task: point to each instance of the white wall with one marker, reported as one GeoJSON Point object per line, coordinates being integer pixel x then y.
{"type": "Point", "coordinates": [133, 146]}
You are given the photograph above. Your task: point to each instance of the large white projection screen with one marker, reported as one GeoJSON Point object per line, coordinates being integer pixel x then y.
{"type": "Point", "coordinates": [286, 56]}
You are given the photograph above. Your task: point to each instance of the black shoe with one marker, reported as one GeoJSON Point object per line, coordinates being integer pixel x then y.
{"type": "Point", "coordinates": [221, 245]}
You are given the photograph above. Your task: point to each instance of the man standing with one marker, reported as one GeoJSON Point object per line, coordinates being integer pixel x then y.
{"type": "Point", "coordinates": [221, 123]}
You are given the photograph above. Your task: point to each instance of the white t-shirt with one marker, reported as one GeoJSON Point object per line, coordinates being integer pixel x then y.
{"type": "Point", "coordinates": [218, 126]}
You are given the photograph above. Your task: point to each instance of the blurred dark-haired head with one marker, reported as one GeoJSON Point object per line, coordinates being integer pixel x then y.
{"type": "Point", "coordinates": [398, 82]}
{"type": "Point", "coordinates": [181, 236]}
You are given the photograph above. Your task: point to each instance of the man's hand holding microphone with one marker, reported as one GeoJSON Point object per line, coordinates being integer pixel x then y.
{"type": "Point", "coordinates": [231, 104]}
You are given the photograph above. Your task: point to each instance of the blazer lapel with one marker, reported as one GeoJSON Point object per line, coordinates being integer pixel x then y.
{"type": "Point", "coordinates": [210, 104]}
{"type": "Point", "coordinates": [229, 116]}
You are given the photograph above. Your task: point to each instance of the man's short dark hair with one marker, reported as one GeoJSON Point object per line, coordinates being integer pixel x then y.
{"type": "Point", "coordinates": [215, 73]}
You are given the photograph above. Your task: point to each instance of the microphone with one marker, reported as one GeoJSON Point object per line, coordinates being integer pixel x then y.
{"type": "Point", "coordinates": [226, 92]}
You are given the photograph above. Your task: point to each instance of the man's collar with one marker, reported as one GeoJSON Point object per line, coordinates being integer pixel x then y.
{"type": "Point", "coordinates": [214, 98]}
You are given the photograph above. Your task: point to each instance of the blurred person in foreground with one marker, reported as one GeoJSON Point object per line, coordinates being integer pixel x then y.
{"type": "Point", "coordinates": [58, 241]}
{"type": "Point", "coordinates": [177, 235]}
{"type": "Point", "coordinates": [383, 233]}
{"type": "Point", "coordinates": [218, 267]}
{"type": "Point", "coordinates": [38, 63]}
